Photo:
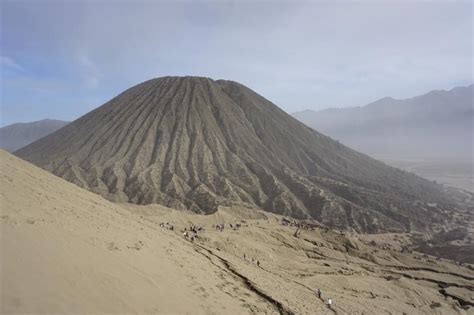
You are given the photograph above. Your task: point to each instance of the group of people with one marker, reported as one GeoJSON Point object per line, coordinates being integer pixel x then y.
{"type": "Point", "coordinates": [254, 261]}
{"type": "Point", "coordinates": [329, 301]}
{"type": "Point", "coordinates": [301, 224]}
{"type": "Point", "coordinates": [193, 232]}
{"type": "Point", "coordinates": [167, 225]}
{"type": "Point", "coordinates": [220, 227]}
{"type": "Point", "coordinates": [190, 235]}
{"type": "Point", "coordinates": [194, 228]}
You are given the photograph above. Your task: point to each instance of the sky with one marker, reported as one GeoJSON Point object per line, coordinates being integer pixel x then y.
{"type": "Point", "coordinates": [61, 59]}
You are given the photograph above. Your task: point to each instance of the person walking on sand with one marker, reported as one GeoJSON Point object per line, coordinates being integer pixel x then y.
{"type": "Point", "coordinates": [258, 263]}
{"type": "Point", "coordinates": [319, 293]}
{"type": "Point", "coordinates": [329, 303]}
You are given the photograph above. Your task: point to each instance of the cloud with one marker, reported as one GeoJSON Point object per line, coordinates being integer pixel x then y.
{"type": "Point", "coordinates": [297, 54]}
{"type": "Point", "coordinates": [88, 71]}
{"type": "Point", "coordinates": [10, 64]}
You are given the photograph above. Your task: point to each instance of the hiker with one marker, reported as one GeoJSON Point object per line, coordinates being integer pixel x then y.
{"type": "Point", "coordinates": [258, 263]}
{"type": "Point", "coordinates": [296, 232]}
{"type": "Point", "coordinates": [319, 293]}
{"type": "Point", "coordinates": [245, 257]}
{"type": "Point", "coordinates": [329, 303]}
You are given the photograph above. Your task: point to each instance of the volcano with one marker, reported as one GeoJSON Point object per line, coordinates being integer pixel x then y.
{"type": "Point", "coordinates": [195, 143]}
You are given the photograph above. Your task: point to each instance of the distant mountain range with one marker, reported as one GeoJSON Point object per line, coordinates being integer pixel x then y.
{"type": "Point", "coordinates": [438, 124]}
{"type": "Point", "coordinates": [16, 136]}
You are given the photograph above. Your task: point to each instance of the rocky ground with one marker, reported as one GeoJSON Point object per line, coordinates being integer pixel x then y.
{"type": "Point", "coordinates": [456, 239]}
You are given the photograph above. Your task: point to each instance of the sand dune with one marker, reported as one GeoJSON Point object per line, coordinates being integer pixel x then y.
{"type": "Point", "coordinates": [67, 250]}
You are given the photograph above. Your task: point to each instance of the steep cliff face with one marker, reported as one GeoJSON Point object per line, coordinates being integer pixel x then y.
{"type": "Point", "coordinates": [195, 143]}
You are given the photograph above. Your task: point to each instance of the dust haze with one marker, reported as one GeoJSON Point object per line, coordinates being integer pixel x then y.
{"type": "Point", "coordinates": [430, 134]}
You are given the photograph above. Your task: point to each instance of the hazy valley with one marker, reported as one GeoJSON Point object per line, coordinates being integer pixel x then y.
{"type": "Point", "coordinates": [430, 135]}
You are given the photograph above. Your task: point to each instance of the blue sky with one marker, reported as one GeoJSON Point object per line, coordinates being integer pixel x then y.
{"type": "Point", "coordinates": [60, 59]}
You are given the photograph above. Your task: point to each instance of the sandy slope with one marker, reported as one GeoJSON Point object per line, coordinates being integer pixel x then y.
{"type": "Point", "coordinates": [359, 277]}
{"type": "Point", "coordinates": [66, 250]}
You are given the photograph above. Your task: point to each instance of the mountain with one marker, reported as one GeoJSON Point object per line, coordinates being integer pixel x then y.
{"type": "Point", "coordinates": [194, 143]}
{"type": "Point", "coordinates": [436, 125]}
{"type": "Point", "coordinates": [15, 136]}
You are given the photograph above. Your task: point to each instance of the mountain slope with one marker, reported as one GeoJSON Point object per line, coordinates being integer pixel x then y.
{"type": "Point", "coordinates": [65, 249]}
{"type": "Point", "coordinates": [436, 125]}
{"type": "Point", "coordinates": [15, 136]}
{"type": "Point", "coordinates": [195, 143]}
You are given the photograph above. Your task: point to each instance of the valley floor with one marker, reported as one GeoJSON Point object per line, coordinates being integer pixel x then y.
{"type": "Point", "coordinates": [458, 173]}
